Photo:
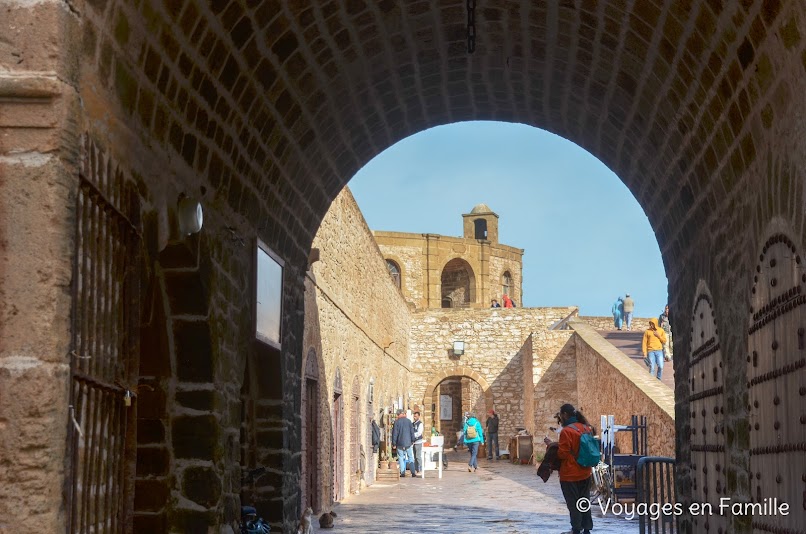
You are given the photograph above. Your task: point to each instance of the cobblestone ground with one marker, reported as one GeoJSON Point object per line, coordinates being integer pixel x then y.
{"type": "Point", "coordinates": [500, 497]}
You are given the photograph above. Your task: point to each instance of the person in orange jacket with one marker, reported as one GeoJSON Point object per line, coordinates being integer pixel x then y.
{"type": "Point", "coordinates": [575, 480]}
{"type": "Point", "coordinates": [652, 347]}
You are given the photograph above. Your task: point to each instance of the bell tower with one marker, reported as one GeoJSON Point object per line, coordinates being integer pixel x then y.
{"type": "Point", "coordinates": [481, 224]}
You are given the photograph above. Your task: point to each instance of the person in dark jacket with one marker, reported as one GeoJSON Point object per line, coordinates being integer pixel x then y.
{"type": "Point", "coordinates": [575, 480]}
{"type": "Point", "coordinates": [550, 462]}
{"type": "Point", "coordinates": [403, 441]}
{"type": "Point", "coordinates": [492, 435]}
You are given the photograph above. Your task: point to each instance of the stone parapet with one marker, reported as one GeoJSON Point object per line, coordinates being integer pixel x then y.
{"type": "Point", "coordinates": [606, 323]}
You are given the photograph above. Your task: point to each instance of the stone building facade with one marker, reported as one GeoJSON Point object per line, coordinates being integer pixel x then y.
{"type": "Point", "coordinates": [357, 360]}
{"type": "Point", "coordinates": [436, 271]}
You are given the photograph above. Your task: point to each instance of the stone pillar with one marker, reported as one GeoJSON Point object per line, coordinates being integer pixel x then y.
{"type": "Point", "coordinates": [38, 181]}
{"type": "Point", "coordinates": [433, 273]}
{"type": "Point", "coordinates": [483, 300]}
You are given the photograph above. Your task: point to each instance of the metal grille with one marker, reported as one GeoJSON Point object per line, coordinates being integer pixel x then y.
{"type": "Point", "coordinates": [105, 348]}
{"type": "Point", "coordinates": [655, 478]}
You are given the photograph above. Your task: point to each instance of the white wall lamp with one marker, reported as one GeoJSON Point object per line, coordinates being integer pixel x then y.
{"type": "Point", "coordinates": [458, 348]}
{"type": "Point", "coordinates": [190, 215]}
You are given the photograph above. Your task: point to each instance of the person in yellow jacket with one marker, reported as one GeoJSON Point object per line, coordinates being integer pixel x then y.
{"type": "Point", "coordinates": [652, 347]}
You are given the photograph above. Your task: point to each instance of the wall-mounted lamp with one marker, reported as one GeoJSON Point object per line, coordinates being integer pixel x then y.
{"type": "Point", "coordinates": [190, 215]}
{"type": "Point", "coordinates": [458, 348]}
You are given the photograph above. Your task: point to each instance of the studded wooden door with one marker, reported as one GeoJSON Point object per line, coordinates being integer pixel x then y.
{"type": "Point", "coordinates": [338, 437]}
{"type": "Point", "coordinates": [312, 442]}
{"type": "Point", "coordinates": [312, 427]}
{"type": "Point", "coordinates": [106, 318]}
{"type": "Point", "coordinates": [707, 406]}
{"type": "Point", "coordinates": [355, 451]}
{"type": "Point", "coordinates": [776, 380]}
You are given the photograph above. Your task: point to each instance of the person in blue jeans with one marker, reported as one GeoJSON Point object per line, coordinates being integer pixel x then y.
{"type": "Point", "coordinates": [403, 440]}
{"type": "Point", "coordinates": [652, 347]}
{"type": "Point", "coordinates": [474, 436]}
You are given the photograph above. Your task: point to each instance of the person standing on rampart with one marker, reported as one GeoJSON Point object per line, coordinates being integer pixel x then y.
{"type": "Point", "coordinates": [629, 307]}
{"type": "Point", "coordinates": [617, 310]}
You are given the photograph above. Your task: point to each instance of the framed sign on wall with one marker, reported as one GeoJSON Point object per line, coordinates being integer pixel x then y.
{"type": "Point", "coordinates": [445, 407]}
{"type": "Point", "coordinates": [268, 295]}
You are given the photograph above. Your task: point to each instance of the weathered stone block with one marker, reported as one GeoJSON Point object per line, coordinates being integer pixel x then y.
{"type": "Point", "coordinates": [194, 354]}
{"type": "Point", "coordinates": [151, 403]}
{"type": "Point", "coordinates": [201, 485]}
{"type": "Point", "coordinates": [195, 436]}
{"type": "Point", "coordinates": [150, 431]}
{"type": "Point", "coordinates": [203, 400]}
{"type": "Point", "coordinates": [150, 522]}
{"type": "Point", "coordinates": [152, 461]}
{"type": "Point", "coordinates": [150, 495]}
{"type": "Point", "coordinates": [186, 293]}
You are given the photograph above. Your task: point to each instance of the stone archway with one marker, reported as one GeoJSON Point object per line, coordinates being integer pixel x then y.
{"type": "Point", "coordinates": [458, 284]}
{"type": "Point", "coordinates": [691, 104]}
{"type": "Point", "coordinates": [428, 408]}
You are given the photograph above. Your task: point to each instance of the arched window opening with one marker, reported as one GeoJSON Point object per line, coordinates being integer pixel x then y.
{"type": "Point", "coordinates": [394, 271]}
{"type": "Point", "coordinates": [480, 228]}
{"type": "Point", "coordinates": [458, 284]}
{"type": "Point", "coordinates": [506, 284]}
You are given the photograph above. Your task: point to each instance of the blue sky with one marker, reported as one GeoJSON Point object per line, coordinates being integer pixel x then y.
{"type": "Point", "coordinates": [587, 240]}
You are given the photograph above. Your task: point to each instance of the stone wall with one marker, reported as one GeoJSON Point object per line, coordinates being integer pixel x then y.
{"type": "Point", "coordinates": [554, 378]}
{"type": "Point", "coordinates": [609, 383]}
{"type": "Point", "coordinates": [356, 325]}
{"type": "Point", "coordinates": [412, 270]}
{"type": "Point", "coordinates": [606, 323]}
{"type": "Point", "coordinates": [495, 343]}
{"type": "Point", "coordinates": [38, 164]}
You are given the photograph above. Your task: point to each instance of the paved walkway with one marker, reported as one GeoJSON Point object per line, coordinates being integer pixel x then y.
{"type": "Point", "coordinates": [500, 497]}
{"type": "Point", "coordinates": [630, 344]}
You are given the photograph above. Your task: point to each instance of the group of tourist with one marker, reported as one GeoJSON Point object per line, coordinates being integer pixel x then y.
{"type": "Point", "coordinates": [656, 344]}
{"type": "Point", "coordinates": [407, 440]}
{"type": "Point", "coordinates": [570, 456]}
{"type": "Point", "coordinates": [506, 299]}
{"type": "Point", "coordinates": [622, 312]}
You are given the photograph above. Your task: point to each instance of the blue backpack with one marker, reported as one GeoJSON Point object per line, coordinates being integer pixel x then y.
{"type": "Point", "coordinates": [588, 455]}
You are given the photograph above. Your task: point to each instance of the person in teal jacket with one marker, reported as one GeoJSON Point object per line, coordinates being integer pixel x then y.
{"type": "Point", "coordinates": [473, 437]}
{"type": "Point", "coordinates": [618, 312]}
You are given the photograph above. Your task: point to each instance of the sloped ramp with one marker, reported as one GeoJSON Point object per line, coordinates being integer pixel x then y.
{"type": "Point", "coordinates": [629, 342]}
